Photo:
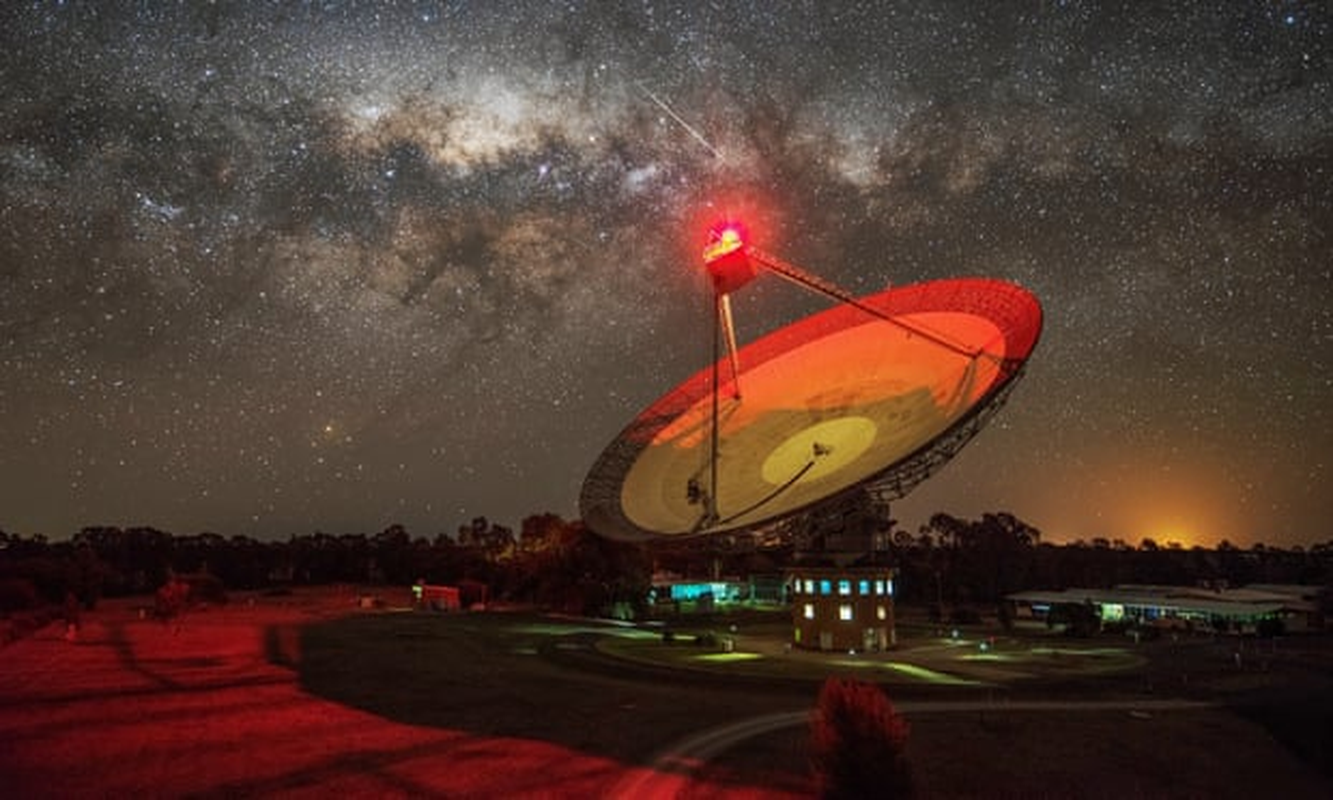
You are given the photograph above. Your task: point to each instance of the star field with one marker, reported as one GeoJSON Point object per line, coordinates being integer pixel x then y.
{"type": "Point", "coordinates": [272, 269]}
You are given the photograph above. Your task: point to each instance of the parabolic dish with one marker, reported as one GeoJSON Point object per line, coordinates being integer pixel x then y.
{"type": "Point", "coordinates": [835, 401]}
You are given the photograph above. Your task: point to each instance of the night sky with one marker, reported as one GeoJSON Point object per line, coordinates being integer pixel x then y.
{"type": "Point", "coordinates": [267, 269]}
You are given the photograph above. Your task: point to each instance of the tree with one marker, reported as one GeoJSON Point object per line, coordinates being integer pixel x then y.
{"type": "Point", "coordinates": [564, 566]}
{"type": "Point", "coordinates": [392, 555]}
{"type": "Point", "coordinates": [981, 561]}
{"type": "Point", "coordinates": [857, 743]}
{"type": "Point", "coordinates": [540, 531]}
{"type": "Point", "coordinates": [1079, 619]}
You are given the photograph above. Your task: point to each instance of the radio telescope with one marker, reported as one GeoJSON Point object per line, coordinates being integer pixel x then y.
{"type": "Point", "coordinates": [876, 392]}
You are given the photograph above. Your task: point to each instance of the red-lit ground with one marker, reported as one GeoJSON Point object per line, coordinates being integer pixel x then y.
{"type": "Point", "coordinates": [307, 695]}
{"type": "Point", "coordinates": [216, 708]}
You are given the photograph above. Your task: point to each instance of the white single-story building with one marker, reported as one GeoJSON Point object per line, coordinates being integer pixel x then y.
{"type": "Point", "coordinates": [1240, 610]}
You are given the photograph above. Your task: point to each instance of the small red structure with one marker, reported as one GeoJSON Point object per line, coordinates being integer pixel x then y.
{"type": "Point", "coordinates": [437, 598]}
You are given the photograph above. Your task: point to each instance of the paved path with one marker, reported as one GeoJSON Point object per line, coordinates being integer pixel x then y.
{"type": "Point", "coordinates": [672, 771]}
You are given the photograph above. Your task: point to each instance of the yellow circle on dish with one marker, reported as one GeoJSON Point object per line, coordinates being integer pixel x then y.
{"type": "Point", "coordinates": [831, 445]}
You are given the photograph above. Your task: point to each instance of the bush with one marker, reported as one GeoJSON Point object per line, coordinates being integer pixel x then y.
{"type": "Point", "coordinates": [205, 588]}
{"type": "Point", "coordinates": [170, 599]}
{"type": "Point", "coordinates": [1270, 627]}
{"type": "Point", "coordinates": [1078, 619]}
{"type": "Point", "coordinates": [26, 623]}
{"type": "Point", "coordinates": [965, 616]}
{"type": "Point", "coordinates": [17, 594]}
{"type": "Point", "coordinates": [857, 743]}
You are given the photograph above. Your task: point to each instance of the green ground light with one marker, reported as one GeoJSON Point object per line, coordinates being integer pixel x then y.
{"type": "Point", "coordinates": [716, 658]}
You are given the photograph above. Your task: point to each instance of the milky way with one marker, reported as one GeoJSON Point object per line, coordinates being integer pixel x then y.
{"type": "Point", "coordinates": [271, 269]}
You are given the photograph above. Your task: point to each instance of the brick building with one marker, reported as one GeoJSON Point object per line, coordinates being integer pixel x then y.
{"type": "Point", "coordinates": [842, 608]}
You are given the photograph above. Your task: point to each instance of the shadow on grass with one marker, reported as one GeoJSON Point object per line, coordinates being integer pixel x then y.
{"type": "Point", "coordinates": [381, 767]}
{"type": "Point", "coordinates": [1298, 718]}
{"type": "Point", "coordinates": [486, 675]}
{"type": "Point", "coordinates": [282, 645]}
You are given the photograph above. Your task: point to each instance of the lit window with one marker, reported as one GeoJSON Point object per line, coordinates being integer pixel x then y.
{"type": "Point", "coordinates": [809, 586]}
{"type": "Point", "coordinates": [845, 612]}
{"type": "Point", "coordinates": [890, 587]}
{"type": "Point", "coordinates": [863, 588]}
{"type": "Point", "coordinates": [844, 587]}
{"type": "Point", "coordinates": [879, 587]}
{"type": "Point", "coordinates": [825, 587]}
{"type": "Point", "coordinates": [881, 613]}
{"type": "Point", "coordinates": [809, 610]}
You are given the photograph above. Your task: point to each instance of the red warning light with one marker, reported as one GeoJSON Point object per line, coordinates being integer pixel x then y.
{"type": "Point", "coordinates": [724, 239]}
{"type": "Point", "coordinates": [727, 258]}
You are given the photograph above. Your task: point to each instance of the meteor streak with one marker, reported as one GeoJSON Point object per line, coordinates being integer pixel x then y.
{"type": "Point", "coordinates": [699, 137]}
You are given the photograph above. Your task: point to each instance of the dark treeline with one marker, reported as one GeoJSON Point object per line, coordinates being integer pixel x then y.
{"type": "Point", "coordinates": [955, 562]}
{"type": "Point", "coordinates": [549, 562]}
{"type": "Point", "coordinates": [949, 563]}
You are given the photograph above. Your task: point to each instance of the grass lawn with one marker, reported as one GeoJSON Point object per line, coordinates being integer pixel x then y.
{"type": "Point", "coordinates": [310, 696]}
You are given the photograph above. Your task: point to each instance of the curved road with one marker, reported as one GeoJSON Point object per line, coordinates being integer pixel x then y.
{"type": "Point", "coordinates": [670, 773]}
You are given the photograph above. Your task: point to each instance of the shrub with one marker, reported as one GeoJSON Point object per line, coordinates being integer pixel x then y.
{"type": "Point", "coordinates": [26, 623]}
{"type": "Point", "coordinates": [1268, 627]}
{"type": "Point", "coordinates": [965, 616]}
{"type": "Point", "coordinates": [17, 594]}
{"type": "Point", "coordinates": [857, 743]}
{"type": "Point", "coordinates": [205, 588]}
{"type": "Point", "coordinates": [171, 598]}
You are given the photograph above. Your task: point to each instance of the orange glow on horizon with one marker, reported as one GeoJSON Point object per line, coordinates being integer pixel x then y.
{"type": "Point", "coordinates": [1177, 499]}
{"type": "Point", "coordinates": [1173, 497]}
{"type": "Point", "coordinates": [1173, 532]}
